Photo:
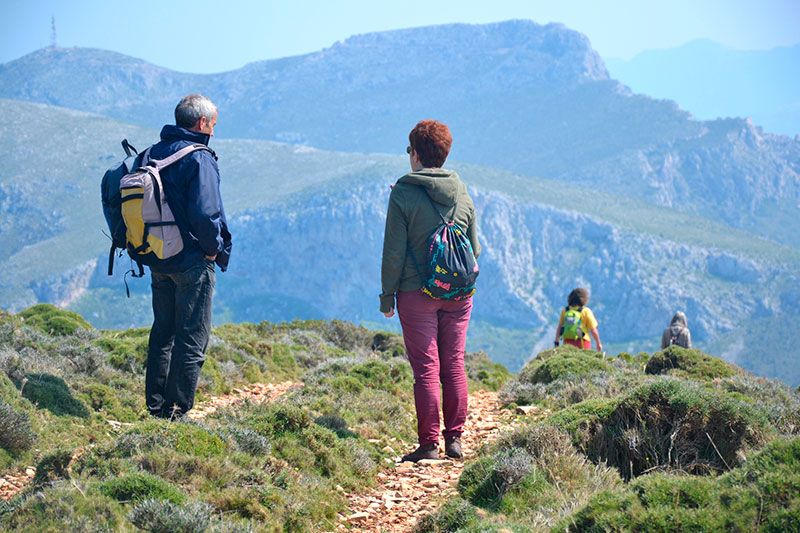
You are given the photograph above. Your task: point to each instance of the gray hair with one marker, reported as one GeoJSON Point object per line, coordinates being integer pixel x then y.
{"type": "Point", "coordinates": [191, 108]}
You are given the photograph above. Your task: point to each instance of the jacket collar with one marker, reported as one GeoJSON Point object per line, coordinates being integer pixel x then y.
{"type": "Point", "coordinates": [176, 133]}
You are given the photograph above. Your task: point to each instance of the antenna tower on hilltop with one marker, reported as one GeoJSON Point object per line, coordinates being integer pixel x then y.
{"type": "Point", "coordinates": [53, 35]}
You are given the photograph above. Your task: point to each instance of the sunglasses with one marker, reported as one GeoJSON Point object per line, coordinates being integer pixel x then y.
{"type": "Point", "coordinates": [409, 149]}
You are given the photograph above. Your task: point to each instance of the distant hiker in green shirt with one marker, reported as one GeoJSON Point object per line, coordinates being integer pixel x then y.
{"type": "Point", "coordinates": [577, 321]}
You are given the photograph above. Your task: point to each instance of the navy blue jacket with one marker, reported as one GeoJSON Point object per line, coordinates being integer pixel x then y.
{"type": "Point", "coordinates": [192, 189]}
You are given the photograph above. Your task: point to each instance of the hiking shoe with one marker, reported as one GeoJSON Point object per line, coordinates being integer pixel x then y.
{"type": "Point", "coordinates": [426, 451]}
{"type": "Point", "coordinates": [452, 447]}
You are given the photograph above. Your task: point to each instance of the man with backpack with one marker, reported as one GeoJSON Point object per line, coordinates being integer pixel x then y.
{"type": "Point", "coordinates": [183, 284]}
{"type": "Point", "coordinates": [677, 333]}
{"type": "Point", "coordinates": [577, 321]}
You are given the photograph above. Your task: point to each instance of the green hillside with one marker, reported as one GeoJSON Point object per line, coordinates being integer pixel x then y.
{"type": "Point", "coordinates": [676, 441]}
{"type": "Point", "coordinates": [54, 249]}
{"type": "Point", "coordinates": [618, 443]}
{"type": "Point", "coordinates": [66, 390]}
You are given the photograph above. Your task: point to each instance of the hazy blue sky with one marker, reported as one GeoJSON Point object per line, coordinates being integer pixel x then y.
{"type": "Point", "coordinates": [212, 36]}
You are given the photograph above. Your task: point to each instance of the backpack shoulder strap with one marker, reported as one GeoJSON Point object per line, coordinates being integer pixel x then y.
{"type": "Point", "coordinates": [177, 156]}
{"type": "Point", "coordinates": [455, 207]}
{"type": "Point", "coordinates": [128, 147]}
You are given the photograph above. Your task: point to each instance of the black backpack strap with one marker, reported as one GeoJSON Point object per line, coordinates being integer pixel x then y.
{"type": "Point", "coordinates": [455, 207]}
{"type": "Point", "coordinates": [128, 147]}
{"type": "Point", "coordinates": [111, 260]}
{"type": "Point", "coordinates": [416, 265]}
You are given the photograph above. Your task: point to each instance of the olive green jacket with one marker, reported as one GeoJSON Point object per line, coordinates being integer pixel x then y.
{"type": "Point", "coordinates": [411, 219]}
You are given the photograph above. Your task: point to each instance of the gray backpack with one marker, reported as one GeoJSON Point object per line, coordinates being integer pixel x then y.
{"type": "Point", "coordinates": [151, 231]}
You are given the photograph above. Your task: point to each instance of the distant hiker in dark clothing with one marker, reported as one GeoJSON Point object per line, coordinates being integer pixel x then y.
{"type": "Point", "coordinates": [183, 285]}
{"type": "Point", "coordinates": [577, 321]}
{"type": "Point", "coordinates": [677, 333]}
{"type": "Point", "coordinates": [434, 331]}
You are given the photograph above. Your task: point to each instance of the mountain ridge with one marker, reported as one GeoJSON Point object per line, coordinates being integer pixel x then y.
{"type": "Point", "coordinates": [712, 80]}
{"type": "Point", "coordinates": [535, 100]}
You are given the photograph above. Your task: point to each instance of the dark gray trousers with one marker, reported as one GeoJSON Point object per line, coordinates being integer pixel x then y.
{"type": "Point", "coordinates": [178, 338]}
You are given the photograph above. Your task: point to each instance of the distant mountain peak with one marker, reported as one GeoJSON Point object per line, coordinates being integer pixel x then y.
{"type": "Point", "coordinates": [550, 52]}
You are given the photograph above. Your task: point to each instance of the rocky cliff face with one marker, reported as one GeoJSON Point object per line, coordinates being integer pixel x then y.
{"type": "Point", "coordinates": [731, 171]}
{"type": "Point", "coordinates": [533, 256]}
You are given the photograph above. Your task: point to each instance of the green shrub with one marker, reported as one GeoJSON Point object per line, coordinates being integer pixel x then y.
{"type": "Point", "coordinates": [159, 516]}
{"type": "Point", "coordinates": [185, 437]}
{"type": "Point", "coordinates": [564, 361]}
{"type": "Point", "coordinates": [568, 364]}
{"type": "Point", "coordinates": [16, 433]}
{"type": "Point", "coordinates": [779, 402]}
{"type": "Point", "coordinates": [761, 495]}
{"type": "Point", "coordinates": [127, 349]}
{"type": "Point", "coordinates": [275, 420]}
{"type": "Point", "coordinates": [138, 486]}
{"type": "Point", "coordinates": [248, 440]}
{"type": "Point", "coordinates": [479, 482]}
{"type": "Point", "coordinates": [336, 424]}
{"type": "Point", "coordinates": [53, 466]}
{"type": "Point", "coordinates": [52, 393]}
{"type": "Point", "coordinates": [65, 507]}
{"type": "Point", "coordinates": [691, 363]}
{"type": "Point", "coordinates": [668, 423]}
{"type": "Point", "coordinates": [453, 515]}
{"type": "Point", "coordinates": [348, 336]}
{"type": "Point", "coordinates": [484, 373]}
{"type": "Point", "coordinates": [389, 343]}
{"type": "Point", "coordinates": [54, 321]}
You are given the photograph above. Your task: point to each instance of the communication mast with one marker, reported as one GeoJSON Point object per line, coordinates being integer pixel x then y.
{"type": "Point", "coordinates": [53, 35]}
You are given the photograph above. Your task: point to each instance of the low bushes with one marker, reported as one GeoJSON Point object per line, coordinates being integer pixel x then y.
{"type": "Point", "coordinates": [566, 375]}
{"type": "Point", "coordinates": [52, 393]}
{"type": "Point", "coordinates": [53, 466]}
{"type": "Point", "coordinates": [138, 486]}
{"type": "Point", "coordinates": [54, 321]}
{"type": "Point", "coordinates": [668, 423]}
{"type": "Point", "coordinates": [453, 515]}
{"type": "Point", "coordinates": [560, 362]}
{"type": "Point", "coordinates": [691, 363]}
{"type": "Point", "coordinates": [159, 516]}
{"type": "Point", "coordinates": [532, 471]}
{"type": "Point", "coordinates": [485, 373]}
{"type": "Point", "coordinates": [185, 437]}
{"type": "Point", "coordinates": [16, 432]}
{"type": "Point", "coordinates": [761, 495]}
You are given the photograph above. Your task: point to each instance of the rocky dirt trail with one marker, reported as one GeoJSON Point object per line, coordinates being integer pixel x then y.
{"type": "Point", "coordinates": [254, 392]}
{"type": "Point", "coordinates": [409, 491]}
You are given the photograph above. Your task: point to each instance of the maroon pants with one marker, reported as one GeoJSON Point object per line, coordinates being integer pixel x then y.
{"type": "Point", "coordinates": [435, 332]}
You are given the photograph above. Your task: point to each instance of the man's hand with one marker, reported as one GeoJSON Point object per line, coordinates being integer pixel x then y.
{"type": "Point", "coordinates": [390, 313]}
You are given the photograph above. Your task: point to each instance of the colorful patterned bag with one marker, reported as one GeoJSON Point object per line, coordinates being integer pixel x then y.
{"type": "Point", "coordinates": [453, 267]}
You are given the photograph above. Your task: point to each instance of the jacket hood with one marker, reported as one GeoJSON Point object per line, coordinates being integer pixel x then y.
{"type": "Point", "coordinates": [176, 133]}
{"type": "Point", "coordinates": [678, 320]}
{"type": "Point", "coordinates": [442, 185]}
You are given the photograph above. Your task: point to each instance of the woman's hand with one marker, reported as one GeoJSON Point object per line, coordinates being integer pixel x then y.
{"type": "Point", "coordinates": [390, 313]}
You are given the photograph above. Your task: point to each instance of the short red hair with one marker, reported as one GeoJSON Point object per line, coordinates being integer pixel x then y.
{"type": "Point", "coordinates": [431, 140]}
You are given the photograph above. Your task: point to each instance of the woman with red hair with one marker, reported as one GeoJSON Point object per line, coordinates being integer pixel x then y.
{"type": "Point", "coordinates": [434, 330]}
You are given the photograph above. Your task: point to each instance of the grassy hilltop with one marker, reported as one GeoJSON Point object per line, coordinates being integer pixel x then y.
{"type": "Point", "coordinates": [670, 441]}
